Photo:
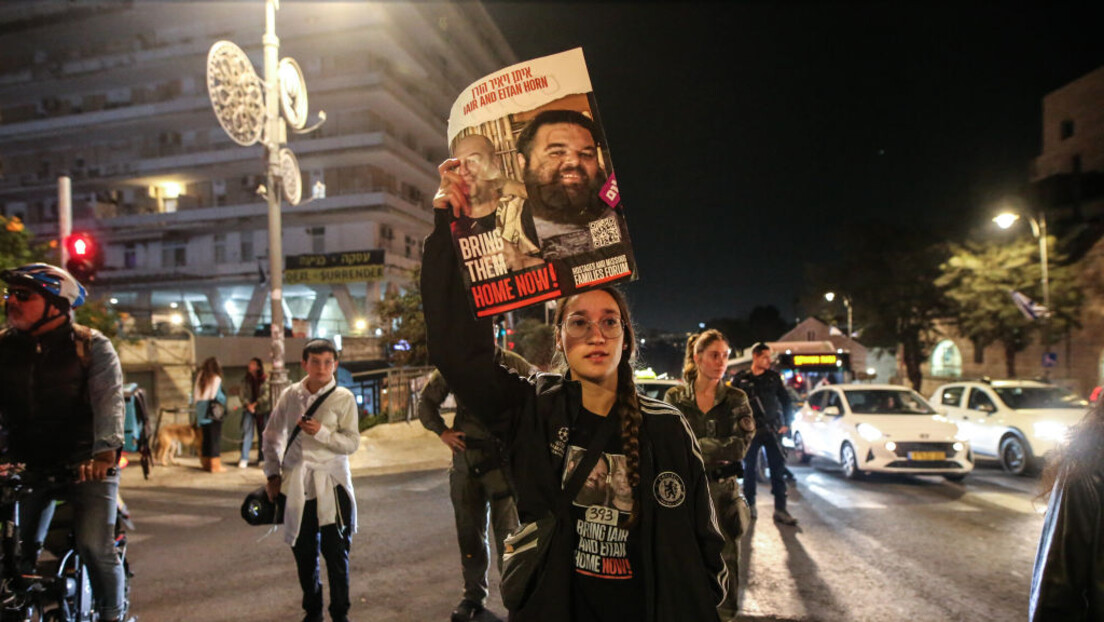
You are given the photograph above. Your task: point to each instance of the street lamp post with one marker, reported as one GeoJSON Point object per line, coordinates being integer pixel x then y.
{"type": "Point", "coordinates": [248, 109]}
{"type": "Point", "coordinates": [1005, 220]}
{"type": "Point", "coordinates": [830, 296]}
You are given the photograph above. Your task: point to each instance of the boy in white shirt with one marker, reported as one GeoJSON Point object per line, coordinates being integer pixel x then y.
{"type": "Point", "coordinates": [315, 477]}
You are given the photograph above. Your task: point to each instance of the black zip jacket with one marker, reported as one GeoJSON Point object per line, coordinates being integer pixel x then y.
{"type": "Point", "coordinates": [684, 574]}
{"type": "Point", "coordinates": [1068, 580]}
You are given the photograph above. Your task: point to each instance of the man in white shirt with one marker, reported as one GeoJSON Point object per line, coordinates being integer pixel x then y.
{"type": "Point", "coordinates": [314, 475]}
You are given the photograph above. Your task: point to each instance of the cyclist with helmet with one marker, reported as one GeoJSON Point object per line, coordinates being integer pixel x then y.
{"type": "Point", "coordinates": [61, 403]}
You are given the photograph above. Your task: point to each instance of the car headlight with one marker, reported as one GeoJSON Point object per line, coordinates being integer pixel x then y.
{"type": "Point", "coordinates": [891, 446]}
{"type": "Point", "coordinates": [1051, 430]}
{"type": "Point", "coordinates": [959, 446]}
{"type": "Point", "coordinates": [869, 432]}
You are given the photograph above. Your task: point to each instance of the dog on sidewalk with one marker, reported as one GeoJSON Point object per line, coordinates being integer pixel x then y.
{"type": "Point", "coordinates": [173, 438]}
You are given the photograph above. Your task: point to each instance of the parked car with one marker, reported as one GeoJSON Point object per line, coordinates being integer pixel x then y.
{"type": "Point", "coordinates": [885, 428]}
{"type": "Point", "coordinates": [1018, 422]}
{"type": "Point", "coordinates": [655, 387]}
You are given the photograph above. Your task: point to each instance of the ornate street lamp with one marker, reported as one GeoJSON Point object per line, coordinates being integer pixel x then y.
{"type": "Point", "coordinates": [248, 109]}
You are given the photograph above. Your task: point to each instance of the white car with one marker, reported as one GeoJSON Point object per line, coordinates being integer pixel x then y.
{"type": "Point", "coordinates": [655, 387]}
{"type": "Point", "coordinates": [1018, 422]}
{"type": "Point", "coordinates": [885, 428]}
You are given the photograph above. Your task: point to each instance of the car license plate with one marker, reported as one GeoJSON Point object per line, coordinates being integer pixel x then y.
{"type": "Point", "coordinates": [927, 455]}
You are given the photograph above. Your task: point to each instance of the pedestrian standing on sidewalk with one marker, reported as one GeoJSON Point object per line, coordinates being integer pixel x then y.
{"type": "Point", "coordinates": [209, 397]}
{"type": "Point", "coordinates": [721, 419]}
{"type": "Point", "coordinates": [659, 560]}
{"type": "Point", "coordinates": [771, 404]}
{"type": "Point", "coordinates": [478, 484]}
{"type": "Point", "coordinates": [307, 459]}
{"type": "Point", "coordinates": [1068, 580]}
{"type": "Point", "coordinates": [256, 402]}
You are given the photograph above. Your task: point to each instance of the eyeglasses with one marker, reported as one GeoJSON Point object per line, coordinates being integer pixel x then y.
{"type": "Point", "coordinates": [578, 327]}
{"type": "Point", "coordinates": [22, 295]}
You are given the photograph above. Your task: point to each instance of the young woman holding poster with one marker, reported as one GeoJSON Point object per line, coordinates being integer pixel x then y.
{"type": "Point", "coordinates": [652, 553]}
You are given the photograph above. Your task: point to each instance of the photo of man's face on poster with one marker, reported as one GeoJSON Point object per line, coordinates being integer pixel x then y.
{"type": "Point", "coordinates": [558, 156]}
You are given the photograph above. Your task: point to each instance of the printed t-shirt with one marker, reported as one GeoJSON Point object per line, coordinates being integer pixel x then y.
{"type": "Point", "coordinates": [607, 585]}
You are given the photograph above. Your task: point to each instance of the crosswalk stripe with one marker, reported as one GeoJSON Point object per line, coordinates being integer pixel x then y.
{"type": "Point", "coordinates": [842, 500]}
{"type": "Point", "coordinates": [1009, 502]}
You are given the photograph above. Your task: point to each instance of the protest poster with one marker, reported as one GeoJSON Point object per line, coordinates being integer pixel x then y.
{"type": "Point", "coordinates": [546, 219]}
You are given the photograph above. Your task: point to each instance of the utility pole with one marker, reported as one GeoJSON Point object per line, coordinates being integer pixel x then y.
{"type": "Point", "coordinates": [249, 108]}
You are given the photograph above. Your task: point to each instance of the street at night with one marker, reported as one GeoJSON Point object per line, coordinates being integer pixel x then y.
{"type": "Point", "coordinates": [573, 261]}
{"type": "Point", "coordinates": [889, 547]}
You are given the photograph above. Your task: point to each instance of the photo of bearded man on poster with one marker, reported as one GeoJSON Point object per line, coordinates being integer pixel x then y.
{"type": "Point", "coordinates": [558, 155]}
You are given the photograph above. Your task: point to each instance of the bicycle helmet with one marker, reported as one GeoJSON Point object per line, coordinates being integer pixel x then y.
{"type": "Point", "coordinates": [57, 285]}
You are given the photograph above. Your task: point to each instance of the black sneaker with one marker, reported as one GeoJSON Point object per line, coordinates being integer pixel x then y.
{"type": "Point", "coordinates": [783, 517]}
{"type": "Point", "coordinates": [466, 610]}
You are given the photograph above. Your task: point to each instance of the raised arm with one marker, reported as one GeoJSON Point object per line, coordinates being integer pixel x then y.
{"type": "Point", "coordinates": [461, 347]}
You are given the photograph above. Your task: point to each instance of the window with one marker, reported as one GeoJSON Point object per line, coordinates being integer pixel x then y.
{"type": "Point", "coordinates": [1066, 129]}
{"type": "Point", "coordinates": [980, 401]}
{"type": "Point", "coordinates": [174, 253]}
{"type": "Point", "coordinates": [220, 248]}
{"type": "Point", "coordinates": [946, 360]}
{"type": "Point", "coordinates": [952, 396]}
{"type": "Point", "coordinates": [247, 246]}
{"type": "Point", "coordinates": [411, 244]}
{"type": "Point", "coordinates": [130, 255]}
{"type": "Point", "coordinates": [318, 239]}
{"type": "Point", "coordinates": [386, 233]}
{"type": "Point", "coordinates": [834, 400]}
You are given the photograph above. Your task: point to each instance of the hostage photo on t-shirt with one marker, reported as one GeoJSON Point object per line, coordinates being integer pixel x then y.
{"type": "Point", "coordinates": [545, 217]}
{"type": "Point", "coordinates": [603, 504]}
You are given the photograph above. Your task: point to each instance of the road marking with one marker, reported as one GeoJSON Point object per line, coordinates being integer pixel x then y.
{"type": "Point", "coordinates": [1008, 501]}
{"type": "Point", "coordinates": [842, 500]}
{"type": "Point", "coordinates": [181, 520]}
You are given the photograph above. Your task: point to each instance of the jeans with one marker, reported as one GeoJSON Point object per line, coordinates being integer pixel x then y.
{"type": "Point", "coordinates": [94, 511]}
{"type": "Point", "coordinates": [249, 425]}
{"type": "Point", "coordinates": [764, 438]}
{"type": "Point", "coordinates": [473, 497]}
{"type": "Point", "coordinates": [335, 543]}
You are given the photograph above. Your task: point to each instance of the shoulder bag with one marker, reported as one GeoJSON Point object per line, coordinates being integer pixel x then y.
{"type": "Point", "coordinates": [526, 551]}
{"type": "Point", "coordinates": [258, 509]}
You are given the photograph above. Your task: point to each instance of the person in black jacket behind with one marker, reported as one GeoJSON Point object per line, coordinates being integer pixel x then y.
{"type": "Point", "coordinates": [1067, 583]}
{"type": "Point", "coordinates": [658, 561]}
{"type": "Point", "coordinates": [771, 404]}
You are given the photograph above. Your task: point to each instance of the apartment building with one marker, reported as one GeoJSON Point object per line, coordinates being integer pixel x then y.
{"type": "Point", "coordinates": [115, 95]}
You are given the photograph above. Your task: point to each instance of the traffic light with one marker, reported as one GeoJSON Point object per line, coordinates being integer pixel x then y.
{"type": "Point", "coordinates": [84, 257]}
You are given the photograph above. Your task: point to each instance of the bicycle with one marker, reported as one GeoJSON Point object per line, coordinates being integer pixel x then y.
{"type": "Point", "coordinates": [48, 593]}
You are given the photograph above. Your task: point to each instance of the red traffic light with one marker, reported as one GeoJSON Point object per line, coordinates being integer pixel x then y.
{"type": "Point", "coordinates": [84, 257]}
{"type": "Point", "coordinates": [80, 245]}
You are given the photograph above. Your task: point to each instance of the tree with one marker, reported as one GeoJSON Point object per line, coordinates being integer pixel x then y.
{"type": "Point", "coordinates": [535, 341]}
{"type": "Point", "coordinates": [889, 274]}
{"type": "Point", "coordinates": [404, 326]}
{"type": "Point", "coordinates": [979, 278]}
{"type": "Point", "coordinates": [16, 250]}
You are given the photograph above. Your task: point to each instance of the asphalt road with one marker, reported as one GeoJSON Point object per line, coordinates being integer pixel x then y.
{"type": "Point", "coordinates": [885, 548]}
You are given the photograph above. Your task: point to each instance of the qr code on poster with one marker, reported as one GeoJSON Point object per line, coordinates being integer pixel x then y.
{"type": "Point", "coordinates": [604, 232]}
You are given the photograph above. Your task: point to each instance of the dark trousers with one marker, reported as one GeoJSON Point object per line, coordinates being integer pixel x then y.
{"type": "Point", "coordinates": [335, 543]}
{"type": "Point", "coordinates": [212, 439]}
{"type": "Point", "coordinates": [473, 497]}
{"type": "Point", "coordinates": [764, 438]}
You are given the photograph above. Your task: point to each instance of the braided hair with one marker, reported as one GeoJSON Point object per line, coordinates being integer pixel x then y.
{"type": "Point", "coordinates": [627, 405]}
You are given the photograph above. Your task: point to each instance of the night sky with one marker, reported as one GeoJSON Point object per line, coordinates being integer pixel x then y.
{"type": "Point", "coordinates": [746, 136]}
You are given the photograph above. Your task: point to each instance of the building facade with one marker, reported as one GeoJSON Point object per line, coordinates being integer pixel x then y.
{"type": "Point", "coordinates": [115, 96]}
